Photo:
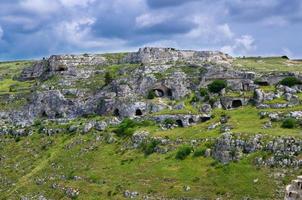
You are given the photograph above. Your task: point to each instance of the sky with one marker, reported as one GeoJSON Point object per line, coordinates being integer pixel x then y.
{"type": "Point", "coordinates": [32, 29]}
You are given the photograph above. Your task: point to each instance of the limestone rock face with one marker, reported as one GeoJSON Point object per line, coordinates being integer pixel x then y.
{"type": "Point", "coordinates": [35, 71]}
{"type": "Point", "coordinates": [50, 104]}
{"type": "Point", "coordinates": [150, 55]}
{"type": "Point", "coordinates": [61, 64]}
{"type": "Point", "coordinates": [294, 190]}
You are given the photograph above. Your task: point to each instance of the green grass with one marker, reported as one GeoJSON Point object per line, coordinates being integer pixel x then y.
{"type": "Point", "coordinates": [268, 64]}
{"type": "Point", "coordinates": [106, 172]}
{"type": "Point", "coordinates": [276, 101]}
{"type": "Point", "coordinates": [246, 94]}
{"type": "Point", "coordinates": [270, 88]}
{"type": "Point", "coordinates": [10, 69]}
{"type": "Point", "coordinates": [9, 86]}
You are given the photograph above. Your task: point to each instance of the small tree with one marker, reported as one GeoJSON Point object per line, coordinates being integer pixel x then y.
{"type": "Point", "coordinates": [203, 92]}
{"type": "Point", "coordinates": [289, 123]}
{"type": "Point", "coordinates": [217, 85]}
{"type": "Point", "coordinates": [183, 152]}
{"type": "Point", "coordinates": [151, 94]}
{"type": "Point", "coordinates": [108, 78]}
{"type": "Point", "coordinates": [199, 152]}
{"type": "Point", "coordinates": [126, 128]}
{"type": "Point", "coordinates": [290, 81]}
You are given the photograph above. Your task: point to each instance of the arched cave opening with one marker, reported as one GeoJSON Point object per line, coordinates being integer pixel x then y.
{"type": "Point", "coordinates": [236, 103]}
{"type": "Point", "coordinates": [116, 112]}
{"type": "Point", "coordinates": [179, 123]}
{"type": "Point", "coordinates": [263, 83]}
{"type": "Point", "coordinates": [204, 119]}
{"type": "Point", "coordinates": [191, 121]}
{"type": "Point", "coordinates": [138, 112]}
{"type": "Point", "coordinates": [44, 114]}
{"type": "Point", "coordinates": [169, 92]}
{"type": "Point", "coordinates": [62, 69]}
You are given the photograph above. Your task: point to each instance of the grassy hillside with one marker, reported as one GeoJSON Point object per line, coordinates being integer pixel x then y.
{"type": "Point", "coordinates": [268, 64]}
{"type": "Point", "coordinates": [47, 165]}
{"type": "Point", "coordinates": [99, 164]}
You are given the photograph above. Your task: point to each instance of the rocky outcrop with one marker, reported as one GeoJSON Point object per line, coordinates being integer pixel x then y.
{"type": "Point", "coordinates": [294, 190]}
{"type": "Point", "coordinates": [284, 151]}
{"type": "Point", "coordinates": [229, 148]}
{"type": "Point", "coordinates": [60, 64]}
{"type": "Point", "coordinates": [150, 55]}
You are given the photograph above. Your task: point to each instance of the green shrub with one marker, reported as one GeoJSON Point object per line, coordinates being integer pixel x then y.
{"type": "Point", "coordinates": [169, 121]}
{"type": "Point", "coordinates": [126, 128]}
{"type": "Point", "coordinates": [149, 147]}
{"type": "Point", "coordinates": [199, 152]}
{"type": "Point", "coordinates": [183, 152]}
{"type": "Point", "coordinates": [203, 92]}
{"type": "Point", "coordinates": [108, 78]}
{"type": "Point", "coordinates": [217, 85]}
{"type": "Point", "coordinates": [17, 138]}
{"type": "Point", "coordinates": [285, 57]}
{"type": "Point", "coordinates": [290, 81]}
{"type": "Point", "coordinates": [151, 94]}
{"type": "Point", "coordinates": [289, 123]}
{"type": "Point", "coordinates": [194, 98]}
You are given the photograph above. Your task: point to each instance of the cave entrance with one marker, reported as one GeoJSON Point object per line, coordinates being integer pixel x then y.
{"type": "Point", "coordinates": [169, 93]}
{"type": "Point", "coordinates": [263, 83]}
{"type": "Point", "coordinates": [179, 123]}
{"type": "Point", "coordinates": [44, 114]}
{"type": "Point", "coordinates": [204, 119]}
{"type": "Point", "coordinates": [116, 112]}
{"type": "Point", "coordinates": [236, 103]}
{"type": "Point", "coordinates": [62, 69]}
{"type": "Point", "coordinates": [138, 112]}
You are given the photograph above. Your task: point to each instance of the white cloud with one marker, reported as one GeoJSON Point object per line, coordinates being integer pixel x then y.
{"type": "Point", "coordinates": [151, 19]}
{"type": "Point", "coordinates": [72, 3]}
{"type": "Point", "coordinates": [40, 6]}
{"type": "Point", "coordinates": [78, 33]}
{"type": "Point", "coordinates": [1, 32]}
{"type": "Point", "coordinates": [275, 21]}
{"type": "Point", "coordinates": [242, 45]}
{"type": "Point", "coordinates": [225, 30]}
{"type": "Point", "coordinates": [287, 52]}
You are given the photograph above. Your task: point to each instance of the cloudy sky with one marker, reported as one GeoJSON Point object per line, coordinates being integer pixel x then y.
{"type": "Point", "coordinates": [37, 28]}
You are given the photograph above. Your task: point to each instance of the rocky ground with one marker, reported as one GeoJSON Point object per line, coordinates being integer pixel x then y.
{"type": "Point", "coordinates": [159, 123]}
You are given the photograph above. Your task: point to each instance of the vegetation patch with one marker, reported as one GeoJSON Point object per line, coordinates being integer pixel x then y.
{"type": "Point", "coordinates": [217, 85]}
{"type": "Point", "coordinates": [290, 81]}
{"type": "Point", "coordinates": [183, 152]}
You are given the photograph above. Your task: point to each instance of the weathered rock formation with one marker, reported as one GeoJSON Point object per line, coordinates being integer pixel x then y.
{"type": "Point", "coordinates": [294, 190]}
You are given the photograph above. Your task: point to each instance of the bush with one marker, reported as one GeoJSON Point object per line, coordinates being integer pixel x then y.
{"type": "Point", "coordinates": [183, 152]}
{"type": "Point", "coordinates": [290, 81]}
{"type": "Point", "coordinates": [108, 78]}
{"type": "Point", "coordinates": [149, 147]}
{"type": "Point", "coordinates": [194, 98]}
{"type": "Point", "coordinates": [289, 123]}
{"type": "Point", "coordinates": [151, 94]}
{"type": "Point", "coordinates": [217, 85]}
{"type": "Point", "coordinates": [169, 121]}
{"type": "Point", "coordinates": [199, 152]}
{"type": "Point", "coordinates": [126, 128]}
{"type": "Point", "coordinates": [203, 92]}
{"type": "Point", "coordinates": [285, 57]}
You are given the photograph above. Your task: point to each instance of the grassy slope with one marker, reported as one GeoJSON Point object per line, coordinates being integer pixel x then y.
{"type": "Point", "coordinates": [268, 64]}
{"type": "Point", "coordinates": [106, 171]}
